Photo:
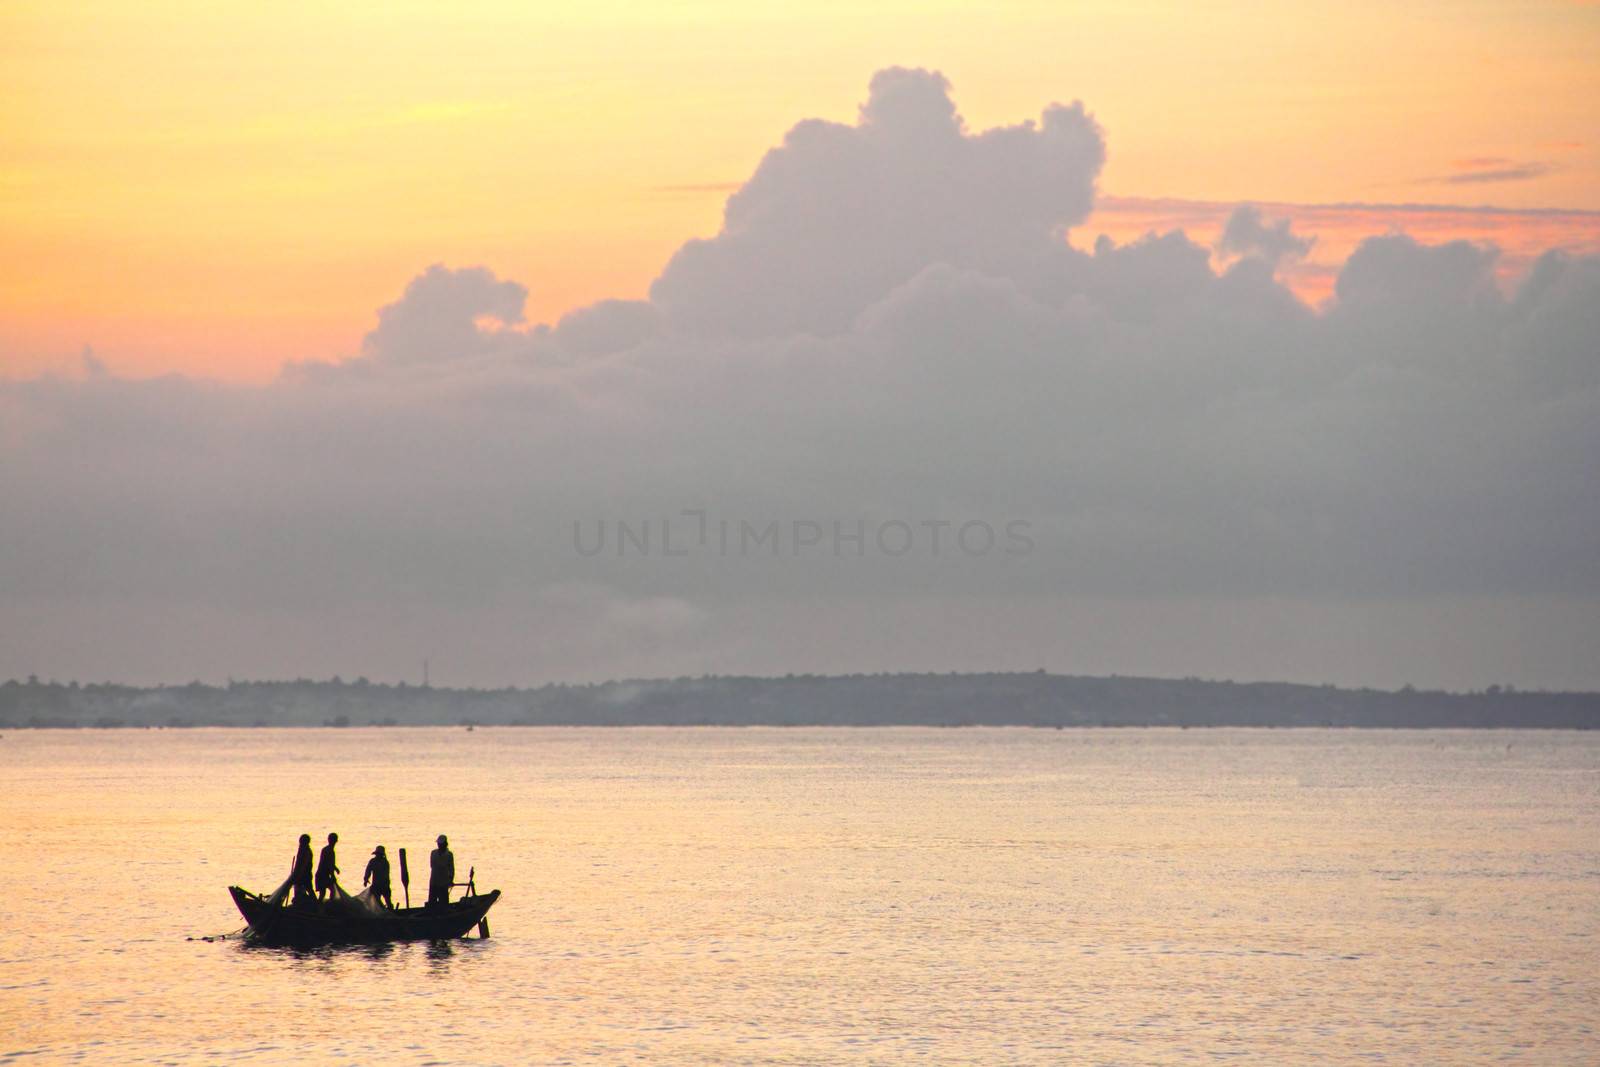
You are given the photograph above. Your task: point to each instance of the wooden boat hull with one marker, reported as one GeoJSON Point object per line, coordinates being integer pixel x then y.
{"type": "Point", "coordinates": [332, 923]}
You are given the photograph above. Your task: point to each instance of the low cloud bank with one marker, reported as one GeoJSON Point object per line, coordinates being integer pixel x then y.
{"type": "Point", "coordinates": [892, 325]}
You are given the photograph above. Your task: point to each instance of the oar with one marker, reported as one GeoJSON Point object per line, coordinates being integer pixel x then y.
{"type": "Point", "coordinates": [405, 878]}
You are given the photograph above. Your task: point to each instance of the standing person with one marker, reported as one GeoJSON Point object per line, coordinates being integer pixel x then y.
{"type": "Point", "coordinates": [442, 873]}
{"type": "Point", "coordinates": [378, 875]}
{"type": "Point", "coordinates": [300, 873]}
{"type": "Point", "coordinates": [328, 869]}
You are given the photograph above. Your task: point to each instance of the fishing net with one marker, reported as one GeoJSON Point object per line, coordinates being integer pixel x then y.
{"type": "Point", "coordinates": [277, 896]}
{"type": "Point", "coordinates": [362, 903]}
{"type": "Point", "coordinates": [359, 905]}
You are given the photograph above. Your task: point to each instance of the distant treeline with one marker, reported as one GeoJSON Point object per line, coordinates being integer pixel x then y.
{"type": "Point", "coordinates": [1038, 699]}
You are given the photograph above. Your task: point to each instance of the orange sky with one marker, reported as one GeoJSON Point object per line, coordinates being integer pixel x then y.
{"type": "Point", "coordinates": [216, 189]}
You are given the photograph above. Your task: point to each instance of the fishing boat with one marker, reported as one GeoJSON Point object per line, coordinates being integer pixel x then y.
{"type": "Point", "coordinates": [359, 920]}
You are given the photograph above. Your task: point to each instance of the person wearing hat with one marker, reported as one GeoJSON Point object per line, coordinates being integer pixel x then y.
{"type": "Point", "coordinates": [378, 876]}
{"type": "Point", "coordinates": [442, 873]}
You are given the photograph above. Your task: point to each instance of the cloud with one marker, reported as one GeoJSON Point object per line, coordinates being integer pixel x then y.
{"type": "Point", "coordinates": [1395, 275]}
{"type": "Point", "coordinates": [1521, 235]}
{"type": "Point", "coordinates": [839, 215]}
{"type": "Point", "coordinates": [893, 325]}
{"type": "Point", "coordinates": [1247, 234]}
{"type": "Point", "coordinates": [445, 314]}
{"type": "Point", "coordinates": [1521, 173]}
{"type": "Point", "coordinates": [1490, 170]}
{"type": "Point", "coordinates": [609, 326]}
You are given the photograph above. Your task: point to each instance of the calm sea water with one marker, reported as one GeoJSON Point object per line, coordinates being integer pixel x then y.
{"type": "Point", "coordinates": [802, 896]}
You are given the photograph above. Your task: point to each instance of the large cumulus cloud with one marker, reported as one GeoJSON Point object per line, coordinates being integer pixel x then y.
{"type": "Point", "coordinates": [892, 325]}
{"type": "Point", "coordinates": [839, 215]}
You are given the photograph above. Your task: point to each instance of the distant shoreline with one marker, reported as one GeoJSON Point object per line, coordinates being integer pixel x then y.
{"type": "Point", "coordinates": [1037, 699]}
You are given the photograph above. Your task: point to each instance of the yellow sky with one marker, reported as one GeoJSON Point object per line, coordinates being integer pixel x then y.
{"type": "Point", "coordinates": [215, 188]}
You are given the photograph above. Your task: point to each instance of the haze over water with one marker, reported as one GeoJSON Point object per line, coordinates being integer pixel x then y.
{"type": "Point", "coordinates": [805, 895]}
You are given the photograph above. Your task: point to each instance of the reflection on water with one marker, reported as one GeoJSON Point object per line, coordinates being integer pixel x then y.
{"type": "Point", "coordinates": [800, 896]}
{"type": "Point", "coordinates": [440, 953]}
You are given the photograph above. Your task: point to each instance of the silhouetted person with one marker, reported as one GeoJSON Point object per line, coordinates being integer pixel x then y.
{"type": "Point", "coordinates": [300, 874]}
{"type": "Point", "coordinates": [327, 869]}
{"type": "Point", "coordinates": [378, 875]}
{"type": "Point", "coordinates": [442, 873]}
